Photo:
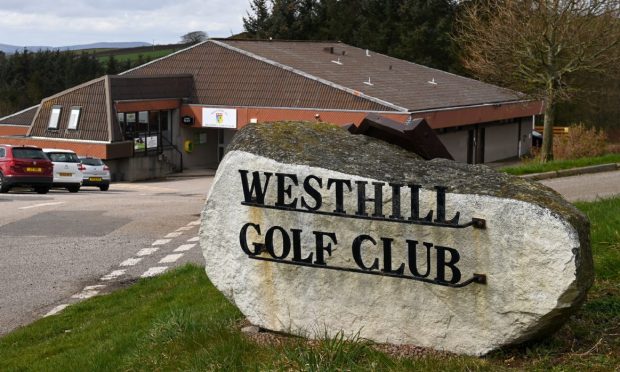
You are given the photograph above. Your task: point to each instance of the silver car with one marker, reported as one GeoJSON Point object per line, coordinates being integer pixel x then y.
{"type": "Point", "coordinates": [95, 173]}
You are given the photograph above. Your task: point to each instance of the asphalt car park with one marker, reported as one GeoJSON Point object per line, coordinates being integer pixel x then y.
{"type": "Point", "coordinates": [53, 246]}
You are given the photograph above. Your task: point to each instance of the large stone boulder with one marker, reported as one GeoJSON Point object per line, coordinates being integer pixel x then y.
{"type": "Point", "coordinates": [309, 229]}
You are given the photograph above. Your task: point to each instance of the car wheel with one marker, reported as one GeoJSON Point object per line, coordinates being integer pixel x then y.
{"type": "Point", "coordinates": [104, 187]}
{"type": "Point", "coordinates": [73, 188]}
{"type": "Point", "coordinates": [3, 186]}
{"type": "Point", "coordinates": [41, 190]}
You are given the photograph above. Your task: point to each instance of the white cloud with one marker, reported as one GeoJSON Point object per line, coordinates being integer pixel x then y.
{"type": "Point", "coordinates": [66, 22]}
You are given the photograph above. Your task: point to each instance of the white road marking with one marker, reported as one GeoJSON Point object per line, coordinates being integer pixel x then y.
{"type": "Point", "coordinates": [131, 261]}
{"type": "Point", "coordinates": [194, 223]}
{"type": "Point", "coordinates": [56, 310]}
{"type": "Point", "coordinates": [127, 186]}
{"type": "Point", "coordinates": [185, 228]}
{"type": "Point", "coordinates": [113, 275]}
{"type": "Point", "coordinates": [184, 247]}
{"type": "Point", "coordinates": [174, 234]}
{"type": "Point", "coordinates": [194, 239]}
{"type": "Point", "coordinates": [154, 271]}
{"type": "Point", "coordinates": [171, 258]}
{"type": "Point", "coordinates": [146, 251]}
{"type": "Point", "coordinates": [85, 294]}
{"type": "Point", "coordinates": [42, 205]}
{"type": "Point", "coordinates": [91, 287]}
{"type": "Point", "coordinates": [161, 241]}
{"type": "Point", "coordinates": [88, 291]}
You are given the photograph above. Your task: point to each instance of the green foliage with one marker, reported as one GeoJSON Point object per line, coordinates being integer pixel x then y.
{"type": "Point", "coordinates": [179, 321]}
{"type": "Point", "coordinates": [414, 30]}
{"type": "Point", "coordinates": [26, 78]}
{"type": "Point", "coordinates": [534, 166]}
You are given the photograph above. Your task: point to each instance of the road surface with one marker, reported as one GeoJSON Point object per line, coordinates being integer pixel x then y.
{"type": "Point", "coordinates": [586, 187]}
{"type": "Point", "coordinates": [58, 248]}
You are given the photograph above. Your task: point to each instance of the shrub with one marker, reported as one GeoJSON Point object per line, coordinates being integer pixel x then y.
{"type": "Point", "coordinates": [579, 142]}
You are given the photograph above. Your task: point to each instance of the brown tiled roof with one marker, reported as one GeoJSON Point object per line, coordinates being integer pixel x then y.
{"type": "Point", "coordinates": [23, 117]}
{"type": "Point", "coordinates": [405, 84]}
{"type": "Point", "coordinates": [151, 87]}
{"type": "Point", "coordinates": [93, 123]}
{"type": "Point", "coordinates": [229, 78]}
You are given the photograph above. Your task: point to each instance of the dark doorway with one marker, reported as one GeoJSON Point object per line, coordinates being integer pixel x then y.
{"type": "Point", "coordinates": [475, 145]}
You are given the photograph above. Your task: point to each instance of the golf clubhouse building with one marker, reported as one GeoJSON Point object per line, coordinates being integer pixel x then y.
{"type": "Point", "coordinates": [181, 111]}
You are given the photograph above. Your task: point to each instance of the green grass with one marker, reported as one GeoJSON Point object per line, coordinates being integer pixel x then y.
{"type": "Point", "coordinates": [536, 167]}
{"type": "Point", "coordinates": [133, 57]}
{"type": "Point", "coordinates": [179, 321]}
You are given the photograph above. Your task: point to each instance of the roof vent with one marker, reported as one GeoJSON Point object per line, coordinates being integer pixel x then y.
{"type": "Point", "coordinates": [337, 61]}
{"type": "Point", "coordinates": [368, 82]}
{"type": "Point", "coordinates": [367, 53]}
{"type": "Point", "coordinates": [329, 50]}
{"type": "Point", "coordinates": [432, 82]}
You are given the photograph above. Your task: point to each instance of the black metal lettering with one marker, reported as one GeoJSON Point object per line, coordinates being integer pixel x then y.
{"type": "Point", "coordinates": [387, 258]}
{"type": "Point", "coordinates": [285, 191]}
{"type": "Point", "coordinates": [286, 243]}
{"type": "Point", "coordinates": [320, 246]}
{"type": "Point", "coordinates": [362, 199]}
{"type": "Point", "coordinates": [357, 252]}
{"type": "Point", "coordinates": [396, 201]}
{"type": "Point", "coordinates": [250, 191]}
{"type": "Point", "coordinates": [415, 205]}
{"type": "Point", "coordinates": [243, 239]}
{"type": "Point", "coordinates": [297, 247]}
{"type": "Point", "coordinates": [441, 207]}
{"type": "Point", "coordinates": [314, 193]}
{"type": "Point", "coordinates": [442, 263]}
{"type": "Point", "coordinates": [339, 193]}
{"type": "Point", "coordinates": [413, 258]}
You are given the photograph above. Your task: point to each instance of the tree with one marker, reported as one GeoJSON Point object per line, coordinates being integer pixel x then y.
{"type": "Point", "coordinates": [415, 30]}
{"type": "Point", "coordinates": [538, 46]}
{"type": "Point", "coordinates": [256, 24]}
{"type": "Point", "coordinates": [194, 37]}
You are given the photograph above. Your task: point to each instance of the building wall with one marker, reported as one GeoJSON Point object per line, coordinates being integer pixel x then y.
{"type": "Point", "coordinates": [501, 142]}
{"type": "Point", "coordinates": [204, 155]}
{"type": "Point", "coordinates": [456, 144]}
{"type": "Point", "coordinates": [13, 130]}
{"type": "Point", "coordinates": [142, 167]}
{"type": "Point", "coordinates": [526, 136]}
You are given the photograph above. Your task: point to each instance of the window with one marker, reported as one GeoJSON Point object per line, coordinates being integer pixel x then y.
{"type": "Point", "coordinates": [2, 152]}
{"type": "Point", "coordinates": [28, 153]}
{"type": "Point", "coordinates": [63, 157]}
{"type": "Point", "coordinates": [54, 117]}
{"type": "Point", "coordinates": [74, 118]}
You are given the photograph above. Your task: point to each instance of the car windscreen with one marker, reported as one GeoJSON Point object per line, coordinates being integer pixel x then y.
{"type": "Point", "coordinates": [91, 161]}
{"type": "Point", "coordinates": [63, 157]}
{"type": "Point", "coordinates": [25, 153]}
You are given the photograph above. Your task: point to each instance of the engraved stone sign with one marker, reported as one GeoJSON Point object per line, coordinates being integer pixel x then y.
{"type": "Point", "coordinates": [310, 229]}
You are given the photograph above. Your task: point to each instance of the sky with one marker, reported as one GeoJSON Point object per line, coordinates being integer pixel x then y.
{"type": "Point", "coordinates": [71, 22]}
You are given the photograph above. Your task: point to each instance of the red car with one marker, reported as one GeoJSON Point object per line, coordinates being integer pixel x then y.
{"type": "Point", "coordinates": [25, 166]}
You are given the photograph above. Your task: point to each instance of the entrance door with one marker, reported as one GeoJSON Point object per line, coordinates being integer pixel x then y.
{"type": "Point", "coordinates": [475, 145]}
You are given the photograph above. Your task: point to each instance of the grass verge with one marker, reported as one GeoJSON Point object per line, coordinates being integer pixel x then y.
{"type": "Point", "coordinates": [536, 167]}
{"type": "Point", "coordinates": [179, 321]}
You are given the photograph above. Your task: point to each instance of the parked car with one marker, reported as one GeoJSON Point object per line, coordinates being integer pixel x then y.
{"type": "Point", "coordinates": [95, 173]}
{"type": "Point", "coordinates": [67, 169]}
{"type": "Point", "coordinates": [25, 166]}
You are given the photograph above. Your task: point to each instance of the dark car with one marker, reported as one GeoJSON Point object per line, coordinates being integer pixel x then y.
{"type": "Point", "coordinates": [25, 166]}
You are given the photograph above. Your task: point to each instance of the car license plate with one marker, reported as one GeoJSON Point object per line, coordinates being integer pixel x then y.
{"type": "Point", "coordinates": [34, 169]}
{"type": "Point", "coordinates": [95, 179]}
{"type": "Point", "coordinates": [66, 174]}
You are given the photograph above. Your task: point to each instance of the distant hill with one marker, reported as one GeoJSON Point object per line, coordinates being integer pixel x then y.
{"type": "Point", "coordinates": [9, 49]}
